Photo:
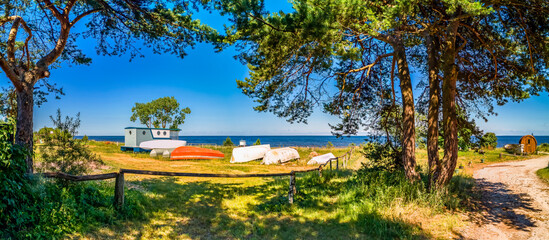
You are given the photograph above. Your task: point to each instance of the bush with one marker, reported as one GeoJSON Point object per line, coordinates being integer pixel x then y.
{"type": "Point", "coordinates": [228, 142]}
{"type": "Point", "coordinates": [330, 145]}
{"type": "Point", "coordinates": [35, 208]}
{"type": "Point", "coordinates": [257, 142]}
{"type": "Point", "coordinates": [381, 157]}
{"type": "Point", "coordinates": [17, 198]}
{"type": "Point", "coordinates": [544, 147]}
{"type": "Point", "coordinates": [60, 152]}
{"type": "Point", "coordinates": [488, 140]}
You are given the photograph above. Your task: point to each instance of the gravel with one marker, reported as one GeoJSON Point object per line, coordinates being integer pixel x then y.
{"type": "Point", "coordinates": [514, 202]}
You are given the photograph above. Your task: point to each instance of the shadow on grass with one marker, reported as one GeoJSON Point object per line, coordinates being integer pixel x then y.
{"type": "Point", "coordinates": [206, 210]}
{"type": "Point", "coordinates": [501, 205]}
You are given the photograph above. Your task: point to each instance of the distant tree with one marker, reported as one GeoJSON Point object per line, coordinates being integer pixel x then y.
{"type": "Point", "coordinates": [60, 151]}
{"type": "Point", "coordinates": [257, 142]}
{"type": "Point", "coordinates": [488, 140]}
{"type": "Point", "coordinates": [228, 142]}
{"type": "Point", "coordinates": [39, 35]}
{"type": "Point", "coordinates": [330, 145]}
{"type": "Point", "coordinates": [162, 112]}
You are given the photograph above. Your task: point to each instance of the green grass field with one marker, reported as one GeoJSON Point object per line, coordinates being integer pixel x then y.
{"type": "Point", "coordinates": [341, 204]}
{"type": "Point", "coordinates": [544, 174]}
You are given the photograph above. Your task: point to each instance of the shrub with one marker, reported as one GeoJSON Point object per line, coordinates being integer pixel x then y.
{"type": "Point", "coordinates": [330, 145]}
{"type": "Point", "coordinates": [488, 140]}
{"type": "Point", "coordinates": [381, 157]}
{"type": "Point", "coordinates": [228, 142]}
{"type": "Point", "coordinates": [257, 142]}
{"type": "Point", "coordinates": [544, 147]}
{"type": "Point", "coordinates": [17, 198]}
{"type": "Point", "coordinates": [60, 151]}
{"type": "Point", "coordinates": [35, 208]}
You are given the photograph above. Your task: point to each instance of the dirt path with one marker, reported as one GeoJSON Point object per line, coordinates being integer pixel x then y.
{"type": "Point", "coordinates": [515, 202]}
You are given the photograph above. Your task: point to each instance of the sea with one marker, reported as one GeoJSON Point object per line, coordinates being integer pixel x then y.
{"type": "Point", "coordinates": [305, 141]}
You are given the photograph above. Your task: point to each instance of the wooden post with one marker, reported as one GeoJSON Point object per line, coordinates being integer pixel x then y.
{"type": "Point", "coordinates": [292, 190]}
{"type": "Point", "coordinates": [119, 191]}
{"type": "Point", "coordinates": [337, 163]}
{"type": "Point", "coordinates": [320, 171]}
{"type": "Point", "coordinates": [330, 164]}
{"type": "Point", "coordinates": [500, 155]}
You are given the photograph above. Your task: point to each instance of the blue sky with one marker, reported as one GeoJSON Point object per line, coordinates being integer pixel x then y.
{"type": "Point", "coordinates": [205, 81]}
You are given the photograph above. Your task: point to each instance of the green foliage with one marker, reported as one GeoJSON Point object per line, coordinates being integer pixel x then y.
{"type": "Point", "coordinates": [31, 208]}
{"type": "Point", "coordinates": [381, 157]}
{"type": "Point", "coordinates": [228, 142]}
{"type": "Point", "coordinates": [60, 152]}
{"type": "Point", "coordinates": [329, 145]}
{"type": "Point", "coordinates": [544, 147]}
{"type": "Point", "coordinates": [464, 139]}
{"type": "Point", "coordinates": [488, 140]}
{"type": "Point", "coordinates": [162, 112]}
{"type": "Point", "coordinates": [8, 103]}
{"type": "Point", "coordinates": [383, 187]}
{"type": "Point", "coordinates": [17, 195]}
{"type": "Point", "coordinates": [543, 174]}
{"type": "Point", "coordinates": [257, 142]}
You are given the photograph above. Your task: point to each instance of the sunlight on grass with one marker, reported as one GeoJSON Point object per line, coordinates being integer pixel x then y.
{"type": "Point", "coordinates": [337, 206]}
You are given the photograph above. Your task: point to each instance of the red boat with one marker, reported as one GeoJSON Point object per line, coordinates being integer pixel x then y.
{"type": "Point", "coordinates": [186, 152]}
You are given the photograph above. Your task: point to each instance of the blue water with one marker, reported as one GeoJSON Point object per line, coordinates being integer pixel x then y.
{"type": "Point", "coordinates": [275, 141]}
{"type": "Point", "coordinates": [280, 141]}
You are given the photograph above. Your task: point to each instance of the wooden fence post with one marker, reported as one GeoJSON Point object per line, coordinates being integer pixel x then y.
{"type": "Point", "coordinates": [337, 163]}
{"type": "Point", "coordinates": [330, 164]}
{"type": "Point", "coordinates": [320, 171]}
{"type": "Point", "coordinates": [119, 191]}
{"type": "Point", "coordinates": [500, 155]}
{"type": "Point", "coordinates": [292, 190]}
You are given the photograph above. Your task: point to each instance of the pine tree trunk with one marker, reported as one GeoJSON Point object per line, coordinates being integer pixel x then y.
{"type": "Point", "coordinates": [434, 105]}
{"type": "Point", "coordinates": [408, 122]}
{"type": "Point", "coordinates": [25, 105]}
{"type": "Point", "coordinates": [449, 108]}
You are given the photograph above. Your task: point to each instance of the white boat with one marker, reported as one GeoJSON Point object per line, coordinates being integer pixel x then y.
{"type": "Point", "coordinates": [164, 147]}
{"type": "Point", "coordinates": [322, 159]}
{"type": "Point", "coordinates": [246, 154]}
{"type": "Point", "coordinates": [279, 156]}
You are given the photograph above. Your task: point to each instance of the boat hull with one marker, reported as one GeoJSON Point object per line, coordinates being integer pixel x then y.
{"type": "Point", "coordinates": [279, 156]}
{"type": "Point", "coordinates": [186, 152]}
{"type": "Point", "coordinates": [162, 144]}
{"type": "Point", "coordinates": [322, 159]}
{"type": "Point", "coordinates": [247, 154]}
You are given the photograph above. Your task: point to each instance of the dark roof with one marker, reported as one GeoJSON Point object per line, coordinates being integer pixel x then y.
{"type": "Point", "coordinates": [172, 129]}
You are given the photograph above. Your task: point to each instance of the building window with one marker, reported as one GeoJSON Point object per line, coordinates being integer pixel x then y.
{"type": "Point", "coordinates": [528, 141]}
{"type": "Point", "coordinates": [158, 133]}
{"type": "Point", "coordinates": [164, 133]}
{"type": "Point", "coordinates": [144, 132]}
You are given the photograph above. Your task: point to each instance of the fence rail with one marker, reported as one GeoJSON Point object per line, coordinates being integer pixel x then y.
{"type": "Point", "coordinates": [119, 176]}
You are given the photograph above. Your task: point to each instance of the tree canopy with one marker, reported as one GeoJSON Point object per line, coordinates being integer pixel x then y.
{"type": "Point", "coordinates": [160, 113]}
{"type": "Point", "coordinates": [347, 56]}
{"type": "Point", "coordinates": [37, 35]}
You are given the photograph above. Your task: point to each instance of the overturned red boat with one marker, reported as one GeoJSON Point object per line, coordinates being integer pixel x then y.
{"type": "Point", "coordinates": [186, 152]}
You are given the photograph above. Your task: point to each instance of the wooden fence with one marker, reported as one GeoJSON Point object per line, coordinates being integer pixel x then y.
{"type": "Point", "coordinates": [119, 176]}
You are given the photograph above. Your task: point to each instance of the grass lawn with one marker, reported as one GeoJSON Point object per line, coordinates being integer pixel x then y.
{"type": "Point", "coordinates": [337, 206]}
{"type": "Point", "coordinates": [543, 174]}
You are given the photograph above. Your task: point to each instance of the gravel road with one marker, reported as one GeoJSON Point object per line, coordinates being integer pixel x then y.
{"type": "Point", "coordinates": [514, 202]}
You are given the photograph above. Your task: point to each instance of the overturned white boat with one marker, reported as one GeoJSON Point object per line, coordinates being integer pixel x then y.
{"type": "Point", "coordinates": [246, 154]}
{"type": "Point", "coordinates": [279, 156]}
{"type": "Point", "coordinates": [164, 147]}
{"type": "Point", "coordinates": [322, 159]}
